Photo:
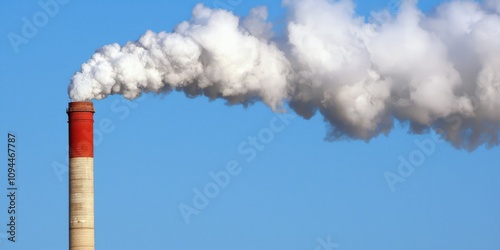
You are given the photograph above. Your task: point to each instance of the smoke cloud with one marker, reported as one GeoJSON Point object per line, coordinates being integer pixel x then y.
{"type": "Point", "coordinates": [439, 71]}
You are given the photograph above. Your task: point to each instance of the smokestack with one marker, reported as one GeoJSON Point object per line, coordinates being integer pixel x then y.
{"type": "Point", "coordinates": [81, 175]}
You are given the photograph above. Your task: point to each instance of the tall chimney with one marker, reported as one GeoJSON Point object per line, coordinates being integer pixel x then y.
{"type": "Point", "coordinates": [81, 175]}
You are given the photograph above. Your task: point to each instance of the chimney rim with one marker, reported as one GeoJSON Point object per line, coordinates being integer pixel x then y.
{"type": "Point", "coordinates": [83, 106]}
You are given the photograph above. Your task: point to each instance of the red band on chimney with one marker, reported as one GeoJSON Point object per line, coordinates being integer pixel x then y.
{"type": "Point", "coordinates": [81, 129]}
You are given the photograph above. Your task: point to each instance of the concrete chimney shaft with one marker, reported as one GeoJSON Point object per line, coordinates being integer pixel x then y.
{"type": "Point", "coordinates": [81, 175]}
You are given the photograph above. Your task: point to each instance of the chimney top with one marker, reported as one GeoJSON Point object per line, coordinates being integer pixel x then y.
{"type": "Point", "coordinates": [80, 107]}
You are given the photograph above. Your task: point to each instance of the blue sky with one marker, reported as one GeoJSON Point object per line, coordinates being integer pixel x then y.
{"type": "Point", "coordinates": [294, 191]}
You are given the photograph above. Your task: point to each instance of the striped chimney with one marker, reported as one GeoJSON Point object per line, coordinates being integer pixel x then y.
{"type": "Point", "coordinates": [81, 175]}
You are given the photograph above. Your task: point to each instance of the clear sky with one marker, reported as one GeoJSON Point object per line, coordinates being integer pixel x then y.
{"type": "Point", "coordinates": [154, 156]}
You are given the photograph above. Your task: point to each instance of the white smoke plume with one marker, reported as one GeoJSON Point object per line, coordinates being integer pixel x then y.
{"type": "Point", "coordinates": [439, 71]}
